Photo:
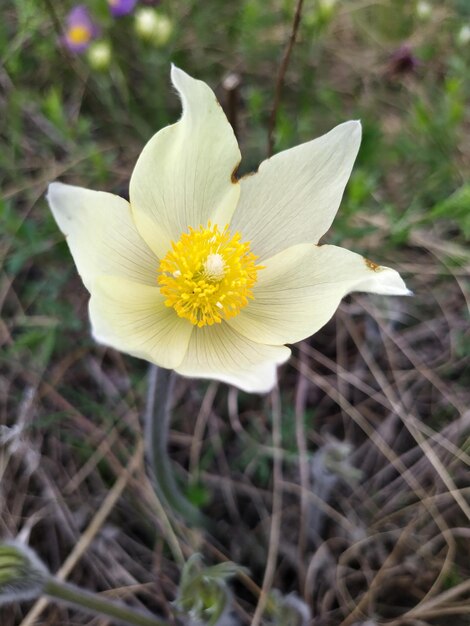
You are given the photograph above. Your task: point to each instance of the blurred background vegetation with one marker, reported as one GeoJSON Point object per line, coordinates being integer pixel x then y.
{"type": "Point", "coordinates": [385, 385]}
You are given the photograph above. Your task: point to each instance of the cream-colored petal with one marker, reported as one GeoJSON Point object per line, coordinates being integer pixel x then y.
{"type": "Point", "coordinates": [183, 176]}
{"type": "Point", "coordinates": [294, 196]}
{"type": "Point", "coordinates": [133, 318]}
{"type": "Point", "coordinates": [101, 234]}
{"type": "Point", "coordinates": [220, 352]}
{"type": "Point", "coordinates": [300, 289]}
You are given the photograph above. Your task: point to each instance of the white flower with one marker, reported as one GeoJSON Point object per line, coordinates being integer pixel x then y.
{"type": "Point", "coordinates": [463, 36]}
{"type": "Point", "coordinates": [99, 55]}
{"type": "Point", "coordinates": [152, 26]}
{"type": "Point", "coordinates": [207, 274]}
{"type": "Point", "coordinates": [423, 9]}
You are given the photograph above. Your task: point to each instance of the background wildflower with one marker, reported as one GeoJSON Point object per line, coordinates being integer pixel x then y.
{"type": "Point", "coordinates": [423, 9]}
{"type": "Point", "coordinates": [80, 29]}
{"type": "Point", "coordinates": [152, 26]}
{"type": "Point", "coordinates": [402, 61]}
{"type": "Point", "coordinates": [119, 8]}
{"type": "Point", "coordinates": [99, 55]}
{"type": "Point", "coordinates": [463, 36]}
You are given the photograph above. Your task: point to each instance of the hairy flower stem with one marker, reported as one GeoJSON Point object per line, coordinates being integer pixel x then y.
{"type": "Point", "coordinates": [157, 427]}
{"type": "Point", "coordinates": [94, 604]}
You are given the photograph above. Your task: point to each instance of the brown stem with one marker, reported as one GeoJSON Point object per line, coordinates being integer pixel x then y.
{"type": "Point", "coordinates": [281, 75]}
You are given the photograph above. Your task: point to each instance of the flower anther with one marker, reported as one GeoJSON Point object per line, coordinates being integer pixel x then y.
{"type": "Point", "coordinates": [207, 275]}
{"type": "Point", "coordinates": [79, 35]}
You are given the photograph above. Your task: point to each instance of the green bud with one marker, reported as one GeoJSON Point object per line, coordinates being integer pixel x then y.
{"type": "Point", "coordinates": [320, 13]}
{"type": "Point", "coordinates": [203, 594]}
{"type": "Point", "coordinates": [99, 55]}
{"type": "Point", "coordinates": [22, 575]}
{"type": "Point", "coordinates": [153, 27]}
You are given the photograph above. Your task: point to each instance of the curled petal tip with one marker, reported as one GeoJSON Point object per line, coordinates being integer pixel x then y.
{"type": "Point", "coordinates": [176, 72]}
{"type": "Point", "coordinates": [51, 187]}
{"type": "Point", "coordinates": [356, 127]}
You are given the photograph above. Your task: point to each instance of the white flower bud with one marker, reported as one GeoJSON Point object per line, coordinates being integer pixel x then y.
{"type": "Point", "coordinates": [423, 10]}
{"type": "Point", "coordinates": [463, 36]}
{"type": "Point", "coordinates": [99, 55]}
{"type": "Point", "coordinates": [152, 26]}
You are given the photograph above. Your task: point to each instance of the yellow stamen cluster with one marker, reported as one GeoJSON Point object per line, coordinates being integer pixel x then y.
{"type": "Point", "coordinates": [207, 276]}
{"type": "Point", "coordinates": [79, 35]}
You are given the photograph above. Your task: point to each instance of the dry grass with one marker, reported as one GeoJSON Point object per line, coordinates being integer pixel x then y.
{"type": "Point", "coordinates": [388, 540]}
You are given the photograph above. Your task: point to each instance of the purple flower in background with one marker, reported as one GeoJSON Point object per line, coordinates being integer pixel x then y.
{"type": "Point", "coordinates": [80, 29]}
{"type": "Point", "coordinates": [121, 7]}
{"type": "Point", "coordinates": [402, 61]}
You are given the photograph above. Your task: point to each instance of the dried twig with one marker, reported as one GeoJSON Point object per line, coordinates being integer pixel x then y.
{"type": "Point", "coordinates": [281, 75]}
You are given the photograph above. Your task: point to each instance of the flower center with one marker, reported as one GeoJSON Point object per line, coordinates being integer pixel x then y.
{"type": "Point", "coordinates": [79, 34]}
{"type": "Point", "coordinates": [207, 276]}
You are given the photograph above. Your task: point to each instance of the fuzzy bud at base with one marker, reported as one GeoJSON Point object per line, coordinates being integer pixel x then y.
{"type": "Point", "coordinates": [22, 575]}
{"type": "Point", "coordinates": [204, 595]}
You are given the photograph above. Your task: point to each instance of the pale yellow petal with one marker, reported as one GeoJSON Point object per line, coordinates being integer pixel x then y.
{"type": "Point", "coordinates": [184, 174]}
{"type": "Point", "coordinates": [133, 318]}
{"type": "Point", "coordinates": [301, 288]}
{"type": "Point", "coordinates": [294, 196]}
{"type": "Point", "coordinates": [221, 353]}
{"type": "Point", "coordinates": [101, 234]}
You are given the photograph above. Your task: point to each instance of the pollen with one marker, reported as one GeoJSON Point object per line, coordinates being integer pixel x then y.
{"type": "Point", "coordinates": [79, 34]}
{"type": "Point", "coordinates": [208, 275]}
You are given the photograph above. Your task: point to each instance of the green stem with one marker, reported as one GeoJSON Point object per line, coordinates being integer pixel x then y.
{"type": "Point", "coordinates": [157, 427]}
{"type": "Point", "coordinates": [95, 604]}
